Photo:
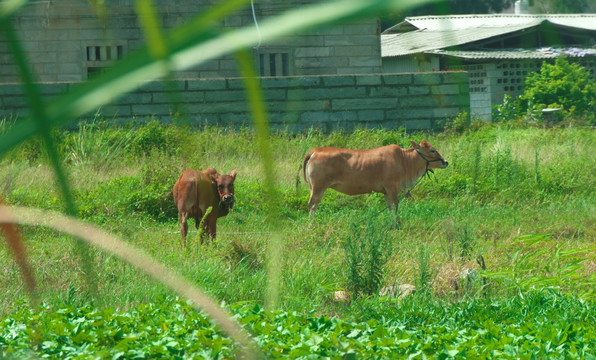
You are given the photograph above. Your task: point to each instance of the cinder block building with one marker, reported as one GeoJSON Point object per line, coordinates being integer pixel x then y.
{"type": "Point", "coordinates": [497, 51]}
{"type": "Point", "coordinates": [328, 78]}
{"type": "Point", "coordinates": [69, 40]}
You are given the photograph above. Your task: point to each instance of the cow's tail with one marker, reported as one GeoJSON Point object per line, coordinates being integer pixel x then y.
{"type": "Point", "coordinates": [305, 167]}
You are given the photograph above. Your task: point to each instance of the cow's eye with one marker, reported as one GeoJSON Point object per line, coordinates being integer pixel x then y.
{"type": "Point", "coordinates": [432, 151]}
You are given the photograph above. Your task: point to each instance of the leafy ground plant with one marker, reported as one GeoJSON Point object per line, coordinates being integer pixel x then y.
{"type": "Point", "coordinates": [542, 324]}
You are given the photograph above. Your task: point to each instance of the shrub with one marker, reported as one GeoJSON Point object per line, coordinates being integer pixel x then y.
{"type": "Point", "coordinates": [458, 124]}
{"type": "Point", "coordinates": [561, 85]}
{"type": "Point", "coordinates": [155, 136]}
{"type": "Point", "coordinates": [508, 110]}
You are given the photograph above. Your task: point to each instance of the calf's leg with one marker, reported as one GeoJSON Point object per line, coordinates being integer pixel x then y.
{"type": "Point", "coordinates": [183, 228]}
{"type": "Point", "coordinates": [198, 218]}
{"type": "Point", "coordinates": [211, 226]}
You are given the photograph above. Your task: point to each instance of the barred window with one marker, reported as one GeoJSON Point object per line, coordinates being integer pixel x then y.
{"type": "Point", "coordinates": [274, 62]}
{"type": "Point", "coordinates": [99, 58]}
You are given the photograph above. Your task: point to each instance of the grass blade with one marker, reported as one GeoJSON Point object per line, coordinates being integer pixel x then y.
{"type": "Point", "coordinates": [261, 123]}
{"type": "Point", "coordinates": [43, 125]}
{"type": "Point", "coordinates": [15, 243]}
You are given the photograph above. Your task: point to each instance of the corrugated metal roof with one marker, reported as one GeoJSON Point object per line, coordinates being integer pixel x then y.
{"type": "Point", "coordinates": [424, 40]}
{"type": "Point", "coordinates": [585, 21]}
{"type": "Point", "coordinates": [454, 22]}
{"type": "Point", "coordinates": [438, 32]}
{"type": "Point", "coordinates": [543, 53]}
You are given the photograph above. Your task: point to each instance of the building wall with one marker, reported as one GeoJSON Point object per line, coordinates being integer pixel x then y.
{"type": "Point", "coordinates": [489, 80]}
{"type": "Point", "coordinates": [482, 89]}
{"type": "Point", "coordinates": [399, 64]}
{"type": "Point", "coordinates": [412, 101]}
{"type": "Point", "coordinates": [66, 41]}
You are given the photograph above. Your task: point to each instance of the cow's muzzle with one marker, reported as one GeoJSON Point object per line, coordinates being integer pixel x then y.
{"type": "Point", "coordinates": [227, 198]}
{"type": "Point", "coordinates": [444, 164]}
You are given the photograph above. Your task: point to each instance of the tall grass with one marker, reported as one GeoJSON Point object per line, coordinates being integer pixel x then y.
{"type": "Point", "coordinates": [95, 147]}
{"type": "Point", "coordinates": [445, 226]}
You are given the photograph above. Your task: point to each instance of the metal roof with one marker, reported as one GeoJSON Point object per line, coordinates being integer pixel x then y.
{"type": "Point", "coordinates": [423, 40]}
{"type": "Point", "coordinates": [429, 33]}
{"type": "Point", "coordinates": [584, 21]}
{"type": "Point", "coordinates": [543, 53]}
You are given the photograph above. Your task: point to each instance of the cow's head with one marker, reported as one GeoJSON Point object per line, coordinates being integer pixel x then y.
{"type": "Point", "coordinates": [434, 160]}
{"type": "Point", "coordinates": [225, 187]}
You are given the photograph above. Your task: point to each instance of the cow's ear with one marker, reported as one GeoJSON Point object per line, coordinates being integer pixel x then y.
{"type": "Point", "coordinates": [233, 174]}
{"type": "Point", "coordinates": [415, 144]}
{"type": "Point", "coordinates": [214, 176]}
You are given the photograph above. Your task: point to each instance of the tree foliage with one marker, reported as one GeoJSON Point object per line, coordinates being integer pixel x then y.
{"type": "Point", "coordinates": [451, 7]}
{"type": "Point", "coordinates": [567, 6]}
{"type": "Point", "coordinates": [560, 85]}
{"type": "Point", "coordinates": [448, 7]}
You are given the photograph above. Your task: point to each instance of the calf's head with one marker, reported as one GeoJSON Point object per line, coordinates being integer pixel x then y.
{"type": "Point", "coordinates": [225, 187]}
{"type": "Point", "coordinates": [434, 160]}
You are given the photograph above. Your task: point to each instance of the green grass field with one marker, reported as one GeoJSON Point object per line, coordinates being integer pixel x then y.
{"type": "Point", "coordinates": [520, 199]}
{"type": "Point", "coordinates": [523, 199]}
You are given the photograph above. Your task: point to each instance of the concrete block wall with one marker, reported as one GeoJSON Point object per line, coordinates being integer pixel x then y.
{"type": "Point", "coordinates": [330, 102]}
{"type": "Point", "coordinates": [65, 40]}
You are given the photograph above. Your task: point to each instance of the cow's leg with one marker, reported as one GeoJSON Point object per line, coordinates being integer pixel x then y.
{"type": "Point", "coordinates": [316, 195]}
{"type": "Point", "coordinates": [393, 204]}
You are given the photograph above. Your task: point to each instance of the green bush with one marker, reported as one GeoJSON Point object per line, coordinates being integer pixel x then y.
{"type": "Point", "coordinates": [506, 111]}
{"type": "Point", "coordinates": [458, 124]}
{"type": "Point", "coordinates": [561, 85]}
{"type": "Point", "coordinates": [156, 136]}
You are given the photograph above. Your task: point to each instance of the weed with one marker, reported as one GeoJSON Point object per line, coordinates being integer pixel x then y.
{"type": "Point", "coordinates": [201, 225]}
{"type": "Point", "coordinates": [465, 241]}
{"type": "Point", "coordinates": [367, 248]}
{"type": "Point", "coordinates": [538, 261]}
{"type": "Point", "coordinates": [424, 272]}
{"type": "Point", "coordinates": [239, 253]}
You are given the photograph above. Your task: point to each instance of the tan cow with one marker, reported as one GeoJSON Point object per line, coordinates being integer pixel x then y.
{"type": "Point", "coordinates": [196, 191]}
{"type": "Point", "coordinates": [387, 170]}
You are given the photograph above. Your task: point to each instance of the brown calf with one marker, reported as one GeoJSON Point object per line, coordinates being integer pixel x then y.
{"type": "Point", "coordinates": [196, 191]}
{"type": "Point", "coordinates": [387, 170]}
